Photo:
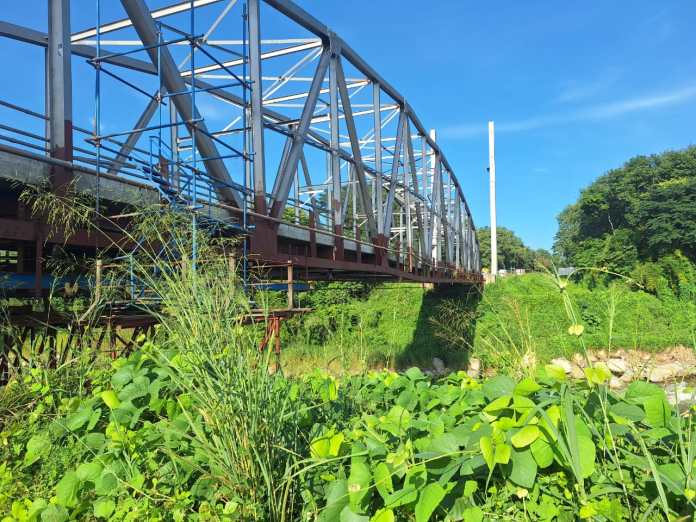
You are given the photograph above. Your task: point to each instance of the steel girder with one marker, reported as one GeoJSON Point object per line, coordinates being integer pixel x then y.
{"type": "Point", "coordinates": [414, 196]}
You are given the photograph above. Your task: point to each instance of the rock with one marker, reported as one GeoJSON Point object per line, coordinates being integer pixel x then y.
{"type": "Point", "coordinates": [563, 363]}
{"type": "Point", "coordinates": [681, 395]}
{"type": "Point", "coordinates": [474, 369]}
{"type": "Point", "coordinates": [617, 366]}
{"type": "Point", "coordinates": [628, 376]}
{"type": "Point", "coordinates": [438, 365]}
{"type": "Point", "coordinates": [576, 372]}
{"type": "Point", "coordinates": [579, 359]}
{"type": "Point", "coordinates": [664, 372]}
{"type": "Point", "coordinates": [687, 370]}
{"type": "Point", "coordinates": [615, 383]}
{"type": "Point", "coordinates": [602, 354]}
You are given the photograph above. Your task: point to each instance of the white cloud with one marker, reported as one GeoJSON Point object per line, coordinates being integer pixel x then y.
{"type": "Point", "coordinates": [590, 113]}
{"type": "Point", "coordinates": [573, 91]}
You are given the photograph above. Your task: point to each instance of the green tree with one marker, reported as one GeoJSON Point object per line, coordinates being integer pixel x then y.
{"type": "Point", "coordinates": [637, 213]}
{"type": "Point", "coordinates": [512, 252]}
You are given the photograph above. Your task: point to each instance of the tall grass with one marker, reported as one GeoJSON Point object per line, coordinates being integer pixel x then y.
{"type": "Point", "coordinates": [244, 417]}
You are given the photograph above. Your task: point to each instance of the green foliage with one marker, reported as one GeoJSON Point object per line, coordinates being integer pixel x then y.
{"type": "Point", "coordinates": [538, 450]}
{"type": "Point", "coordinates": [512, 252]}
{"type": "Point", "coordinates": [353, 325]}
{"type": "Point", "coordinates": [526, 314]}
{"type": "Point", "coordinates": [642, 211]}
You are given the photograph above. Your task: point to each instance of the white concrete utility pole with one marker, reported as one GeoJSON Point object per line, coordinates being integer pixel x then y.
{"type": "Point", "coordinates": [491, 173]}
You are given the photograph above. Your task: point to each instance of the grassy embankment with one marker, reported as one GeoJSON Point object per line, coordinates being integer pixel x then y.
{"type": "Point", "coordinates": [403, 325]}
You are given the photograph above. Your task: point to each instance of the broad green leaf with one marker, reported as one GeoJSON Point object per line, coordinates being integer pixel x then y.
{"type": "Point", "coordinates": [415, 481]}
{"type": "Point", "coordinates": [487, 451]}
{"type": "Point", "coordinates": [657, 411]}
{"type": "Point", "coordinates": [673, 477]}
{"type": "Point", "coordinates": [37, 447]}
{"type": "Point", "coordinates": [599, 374]}
{"type": "Point", "coordinates": [136, 389]}
{"type": "Point", "coordinates": [404, 496]}
{"type": "Point", "coordinates": [335, 445]}
{"type": "Point", "coordinates": [627, 411]}
{"type": "Point", "coordinates": [383, 515]}
{"type": "Point", "coordinates": [473, 514]}
{"type": "Point", "coordinates": [525, 436]}
{"type": "Point", "coordinates": [79, 418]}
{"type": "Point", "coordinates": [103, 508]}
{"type": "Point", "coordinates": [383, 480]}
{"type": "Point", "coordinates": [397, 421]}
{"type": "Point", "coordinates": [110, 399]}
{"type": "Point", "coordinates": [526, 387]}
{"type": "Point", "coordinates": [542, 453]}
{"type": "Point", "coordinates": [414, 373]}
{"type": "Point", "coordinates": [498, 386]}
{"type": "Point", "coordinates": [463, 511]}
{"type": "Point", "coordinates": [66, 490]}
{"type": "Point", "coordinates": [502, 453]}
{"type": "Point", "coordinates": [555, 372]}
{"type": "Point", "coordinates": [348, 515]}
{"type": "Point", "coordinates": [638, 391]}
{"type": "Point", "coordinates": [445, 444]}
{"type": "Point", "coordinates": [587, 455]}
{"type": "Point", "coordinates": [54, 513]}
{"type": "Point", "coordinates": [122, 377]}
{"type": "Point", "coordinates": [94, 441]}
{"type": "Point", "coordinates": [326, 446]}
{"type": "Point", "coordinates": [106, 484]}
{"type": "Point", "coordinates": [336, 500]}
{"type": "Point", "coordinates": [37, 506]}
{"type": "Point", "coordinates": [93, 419]}
{"type": "Point", "coordinates": [522, 404]}
{"type": "Point", "coordinates": [522, 468]}
{"type": "Point", "coordinates": [429, 499]}
{"type": "Point", "coordinates": [359, 481]}
{"type": "Point", "coordinates": [89, 471]}
{"type": "Point", "coordinates": [498, 405]}
{"type": "Point", "coordinates": [549, 430]}
{"type": "Point", "coordinates": [408, 399]}
{"type": "Point", "coordinates": [470, 487]}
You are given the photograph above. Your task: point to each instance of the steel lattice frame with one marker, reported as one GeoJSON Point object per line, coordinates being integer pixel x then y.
{"type": "Point", "coordinates": [358, 172]}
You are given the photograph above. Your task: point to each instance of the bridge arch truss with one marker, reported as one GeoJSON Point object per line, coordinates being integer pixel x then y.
{"type": "Point", "coordinates": [296, 140]}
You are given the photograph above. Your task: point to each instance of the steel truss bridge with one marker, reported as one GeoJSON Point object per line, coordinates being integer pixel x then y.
{"type": "Point", "coordinates": [250, 114]}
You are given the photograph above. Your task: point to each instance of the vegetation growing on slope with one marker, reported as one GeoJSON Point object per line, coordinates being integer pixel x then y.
{"type": "Point", "coordinates": [397, 326]}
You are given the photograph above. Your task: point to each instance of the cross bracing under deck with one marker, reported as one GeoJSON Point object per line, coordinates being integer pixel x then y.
{"type": "Point", "coordinates": [206, 105]}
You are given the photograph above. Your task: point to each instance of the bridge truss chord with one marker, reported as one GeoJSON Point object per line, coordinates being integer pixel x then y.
{"type": "Point", "coordinates": [290, 140]}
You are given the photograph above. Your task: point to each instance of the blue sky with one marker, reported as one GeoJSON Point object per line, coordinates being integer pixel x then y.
{"type": "Point", "coordinates": [575, 88]}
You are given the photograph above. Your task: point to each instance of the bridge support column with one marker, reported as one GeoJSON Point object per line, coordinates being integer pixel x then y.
{"type": "Point", "coordinates": [381, 254]}
{"type": "Point", "coordinates": [59, 91]}
{"type": "Point", "coordinates": [264, 238]}
{"type": "Point", "coordinates": [257, 108]}
{"type": "Point", "coordinates": [336, 206]}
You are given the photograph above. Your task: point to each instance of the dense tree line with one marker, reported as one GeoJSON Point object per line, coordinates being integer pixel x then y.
{"type": "Point", "coordinates": [512, 252]}
{"type": "Point", "coordinates": [635, 219]}
{"type": "Point", "coordinates": [639, 212]}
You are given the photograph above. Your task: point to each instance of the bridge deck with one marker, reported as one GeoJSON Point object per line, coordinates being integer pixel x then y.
{"type": "Point", "coordinates": [294, 243]}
